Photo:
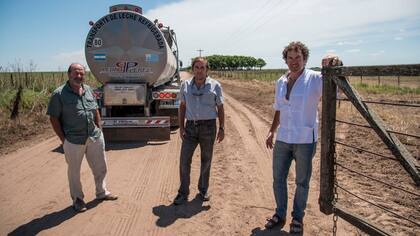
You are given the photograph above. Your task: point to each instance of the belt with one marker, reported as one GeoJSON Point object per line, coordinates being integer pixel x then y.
{"type": "Point", "coordinates": [200, 122]}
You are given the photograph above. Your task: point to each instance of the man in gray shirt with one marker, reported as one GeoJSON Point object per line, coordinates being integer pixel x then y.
{"type": "Point", "coordinates": [75, 119]}
{"type": "Point", "coordinates": [201, 103]}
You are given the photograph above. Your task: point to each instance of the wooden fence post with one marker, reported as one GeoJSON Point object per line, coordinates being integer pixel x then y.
{"type": "Point", "coordinates": [26, 80]}
{"type": "Point", "coordinates": [329, 98]}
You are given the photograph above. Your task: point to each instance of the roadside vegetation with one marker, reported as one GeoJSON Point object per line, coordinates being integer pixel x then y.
{"type": "Point", "coordinates": [371, 85]}
{"type": "Point", "coordinates": [24, 98]}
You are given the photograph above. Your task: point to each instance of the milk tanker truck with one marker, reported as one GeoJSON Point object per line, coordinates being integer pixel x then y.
{"type": "Point", "coordinates": [136, 61]}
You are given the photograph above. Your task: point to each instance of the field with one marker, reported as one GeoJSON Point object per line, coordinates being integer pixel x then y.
{"type": "Point", "coordinates": [31, 119]}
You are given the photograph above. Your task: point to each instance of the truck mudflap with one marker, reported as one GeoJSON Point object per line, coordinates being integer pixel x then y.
{"type": "Point", "coordinates": [136, 128]}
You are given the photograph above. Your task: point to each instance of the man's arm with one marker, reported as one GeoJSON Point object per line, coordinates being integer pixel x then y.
{"type": "Point", "coordinates": [98, 119]}
{"type": "Point", "coordinates": [221, 116]}
{"type": "Point", "coordinates": [56, 124]}
{"type": "Point", "coordinates": [269, 141]}
{"type": "Point", "coordinates": [181, 118]}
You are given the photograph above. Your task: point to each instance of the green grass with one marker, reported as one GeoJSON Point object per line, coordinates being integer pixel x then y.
{"type": "Point", "coordinates": [386, 89]}
{"type": "Point", "coordinates": [37, 88]}
{"type": "Point", "coordinates": [39, 81]}
{"type": "Point", "coordinates": [263, 75]}
{"type": "Point", "coordinates": [31, 100]}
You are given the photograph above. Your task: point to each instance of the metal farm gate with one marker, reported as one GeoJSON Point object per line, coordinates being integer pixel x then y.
{"type": "Point", "coordinates": [335, 77]}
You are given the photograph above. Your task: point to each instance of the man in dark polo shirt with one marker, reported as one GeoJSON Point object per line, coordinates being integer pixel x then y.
{"type": "Point", "coordinates": [201, 103]}
{"type": "Point", "coordinates": [75, 119]}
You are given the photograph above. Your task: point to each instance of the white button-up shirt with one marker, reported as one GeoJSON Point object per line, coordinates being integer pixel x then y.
{"type": "Point", "coordinates": [299, 114]}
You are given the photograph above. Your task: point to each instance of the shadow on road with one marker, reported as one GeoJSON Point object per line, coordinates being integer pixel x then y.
{"type": "Point", "coordinates": [59, 149]}
{"type": "Point", "coordinates": [169, 214]}
{"type": "Point", "coordinates": [49, 221]}
{"type": "Point", "coordinates": [123, 145]}
{"type": "Point", "coordinates": [270, 232]}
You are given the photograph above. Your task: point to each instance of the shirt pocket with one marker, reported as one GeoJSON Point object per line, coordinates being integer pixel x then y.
{"type": "Point", "coordinates": [71, 107]}
{"type": "Point", "coordinates": [209, 99]}
{"type": "Point", "coordinates": [91, 104]}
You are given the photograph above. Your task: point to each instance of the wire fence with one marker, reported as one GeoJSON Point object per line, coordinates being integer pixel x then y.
{"type": "Point", "coordinates": [358, 170]}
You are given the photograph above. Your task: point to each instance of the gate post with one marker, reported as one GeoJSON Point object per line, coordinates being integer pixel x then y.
{"type": "Point", "coordinates": [329, 98]}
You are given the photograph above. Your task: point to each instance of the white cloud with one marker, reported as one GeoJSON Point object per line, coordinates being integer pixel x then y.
{"type": "Point", "coordinates": [398, 38]}
{"type": "Point", "coordinates": [64, 59]}
{"type": "Point", "coordinates": [357, 42]}
{"type": "Point", "coordinates": [263, 28]}
{"type": "Point", "coordinates": [354, 50]}
{"type": "Point", "coordinates": [378, 53]}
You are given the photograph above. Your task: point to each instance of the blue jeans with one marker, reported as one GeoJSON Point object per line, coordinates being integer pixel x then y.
{"type": "Point", "coordinates": [203, 134]}
{"type": "Point", "coordinates": [283, 154]}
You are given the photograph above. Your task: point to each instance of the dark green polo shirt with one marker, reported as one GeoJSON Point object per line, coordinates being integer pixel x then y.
{"type": "Point", "coordinates": [76, 113]}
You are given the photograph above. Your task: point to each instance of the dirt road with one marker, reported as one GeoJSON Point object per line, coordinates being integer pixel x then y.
{"type": "Point", "coordinates": [35, 196]}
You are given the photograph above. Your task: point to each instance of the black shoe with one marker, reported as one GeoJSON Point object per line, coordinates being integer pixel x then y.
{"type": "Point", "coordinates": [275, 221]}
{"type": "Point", "coordinates": [205, 196]}
{"type": "Point", "coordinates": [296, 227]}
{"type": "Point", "coordinates": [180, 199]}
{"type": "Point", "coordinates": [79, 205]}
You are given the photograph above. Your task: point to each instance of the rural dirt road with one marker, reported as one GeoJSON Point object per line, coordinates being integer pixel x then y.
{"type": "Point", "coordinates": [35, 196]}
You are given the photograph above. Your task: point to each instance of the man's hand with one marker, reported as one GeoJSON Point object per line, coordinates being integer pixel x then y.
{"type": "Point", "coordinates": [269, 141]}
{"type": "Point", "coordinates": [331, 60]}
{"type": "Point", "coordinates": [182, 132]}
{"type": "Point", "coordinates": [220, 135]}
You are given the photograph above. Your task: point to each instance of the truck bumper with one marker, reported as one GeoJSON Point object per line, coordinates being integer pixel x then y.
{"type": "Point", "coordinates": [136, 128]}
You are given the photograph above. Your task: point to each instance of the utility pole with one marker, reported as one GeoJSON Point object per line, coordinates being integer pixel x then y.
{"type": "Point", "coordinates": [200, 50]}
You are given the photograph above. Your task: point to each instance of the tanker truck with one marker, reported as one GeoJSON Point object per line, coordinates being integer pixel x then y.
{"type": "Point", "coordinates": [136, 61]}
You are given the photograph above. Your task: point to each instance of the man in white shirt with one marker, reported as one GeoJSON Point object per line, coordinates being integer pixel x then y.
{"type": "Point", "coordinates": [297, 95]}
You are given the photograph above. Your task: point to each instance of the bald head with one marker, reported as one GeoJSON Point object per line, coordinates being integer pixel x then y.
{"type": "Point", "coordinates": [74, 66]}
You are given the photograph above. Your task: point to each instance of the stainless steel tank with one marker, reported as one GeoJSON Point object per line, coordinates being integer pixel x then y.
{"type": "Point", "coordinates": [124, 46]}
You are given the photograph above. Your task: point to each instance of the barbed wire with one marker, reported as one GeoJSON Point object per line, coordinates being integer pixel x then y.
{"type": "Point", "coordinates": [367, 126]}
{"type": "Point", "coordinates": [377, 180]}
{"type": "Point", "coordinates": [367, 151]}
{"type": "Point", "coordinates": [378, 206]}
{"type": "Point", "coordinates": [401, 103]}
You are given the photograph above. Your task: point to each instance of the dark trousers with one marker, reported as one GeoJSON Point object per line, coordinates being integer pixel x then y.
{"type": "Point", "coordinates": [204, 134]}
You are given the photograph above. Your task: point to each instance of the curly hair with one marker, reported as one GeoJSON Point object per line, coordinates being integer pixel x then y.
{"type": "Point", "coordinates": [296, 46]}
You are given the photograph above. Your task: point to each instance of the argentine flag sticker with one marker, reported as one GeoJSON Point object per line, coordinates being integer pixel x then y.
{"type": "Point", "coordinates": [99, 57]}
{"type": "Point", "coordinates": [152, 58]}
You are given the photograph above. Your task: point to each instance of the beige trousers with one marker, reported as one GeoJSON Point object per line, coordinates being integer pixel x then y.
{"type": "Point", "coordinates": [96, 158]}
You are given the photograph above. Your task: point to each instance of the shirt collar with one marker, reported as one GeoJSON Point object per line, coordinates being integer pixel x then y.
{"type": "Point", "coordinates": [207, 81]}
{"type": "Point", "coordinates": [70, 89]}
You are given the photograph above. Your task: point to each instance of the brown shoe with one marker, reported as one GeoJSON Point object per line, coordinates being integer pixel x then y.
{"type": "Point", "coordinates": [108, 197]}
{"type": "Point", "coordinates": [79, 205]}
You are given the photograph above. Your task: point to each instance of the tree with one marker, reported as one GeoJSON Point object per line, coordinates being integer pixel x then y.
{"type": "Point", "coordinates": [260, 63]}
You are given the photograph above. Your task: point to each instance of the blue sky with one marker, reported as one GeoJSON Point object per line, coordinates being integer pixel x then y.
{"type": "Point", "coordinates": [52, 34]}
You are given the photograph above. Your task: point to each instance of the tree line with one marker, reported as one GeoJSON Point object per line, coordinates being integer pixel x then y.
{"type": "Point", "coordinates": [224, 62]}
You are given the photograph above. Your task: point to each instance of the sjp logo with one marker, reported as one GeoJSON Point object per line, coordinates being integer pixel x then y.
{"type": "Point", "coordinates": [126, 65]}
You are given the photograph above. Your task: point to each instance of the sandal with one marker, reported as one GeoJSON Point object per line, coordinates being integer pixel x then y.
{"type": "Point", "coordinates": [296, 227]}
{"type": "Point", "coordinates": [276, 220]}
